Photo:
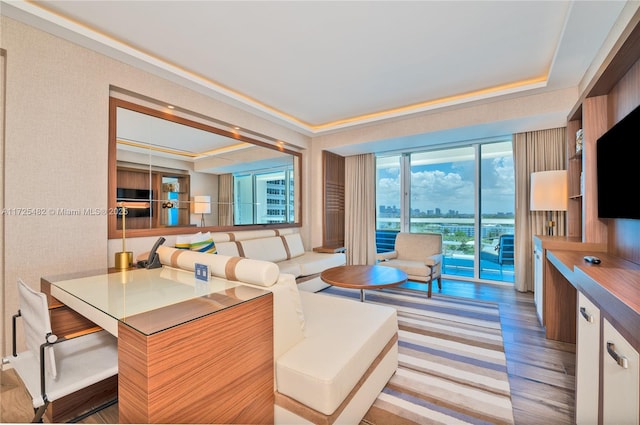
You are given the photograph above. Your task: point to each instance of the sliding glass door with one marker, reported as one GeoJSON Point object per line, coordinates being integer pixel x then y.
{"type": "Point", "coordinates": [497, 208]}
{"type": "Point", "coordinates": [465, 193]}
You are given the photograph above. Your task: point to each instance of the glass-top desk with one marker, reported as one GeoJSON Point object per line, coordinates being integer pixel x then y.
{"type": "Point", "coordinates": [148, 301]}
{"type": "Point", "coordinates": [189, 351]}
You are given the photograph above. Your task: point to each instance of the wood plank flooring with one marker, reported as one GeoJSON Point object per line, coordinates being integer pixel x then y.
{"type": "Point", "coordinates": [541, 372]}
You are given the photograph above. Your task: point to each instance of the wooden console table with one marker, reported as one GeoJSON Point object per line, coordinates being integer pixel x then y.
{"type": "Point", "coordinates": [188, 351]}
{"type": "Point", "coordinates": [601, 304]}
{"type": "Point", "coordinates": [612, 284]}
{"type": "Point", "coordinates": [554, 296]}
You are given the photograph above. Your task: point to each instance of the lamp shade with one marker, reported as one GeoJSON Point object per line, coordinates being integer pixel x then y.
{"type": "Point", "coordinates": [549, 191]}
{"type": "Point", "coordinates": [202, 204]}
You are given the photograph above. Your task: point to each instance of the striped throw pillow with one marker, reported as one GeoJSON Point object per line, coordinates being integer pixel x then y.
{"type": "Point", "coordinates": [183, 242]}
{"type": "Point", "coordinates": [203, 242]}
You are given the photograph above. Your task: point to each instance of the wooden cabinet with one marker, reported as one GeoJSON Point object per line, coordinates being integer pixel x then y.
{"type": "Point", "coordinates": [620, 379]}
{"type": "Point", "coordinates": [607, 318]}
{"type": "Point", "coordinates": [554, 296]}
{"type": "Point", "coordinates": [617, 361]}
{"type": "Point", "coordinates": [587, 361]}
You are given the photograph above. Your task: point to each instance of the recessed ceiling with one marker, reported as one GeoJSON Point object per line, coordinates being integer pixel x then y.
{"type": "Point", "coordinates": [320, 66]}
{"type": "Point", "coordinates": [142, 132]}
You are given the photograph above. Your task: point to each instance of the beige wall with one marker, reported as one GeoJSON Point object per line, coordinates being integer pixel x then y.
{"type": "Point", "coordinates": [56, 151]}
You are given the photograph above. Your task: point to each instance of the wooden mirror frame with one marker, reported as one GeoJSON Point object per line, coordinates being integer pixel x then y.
{"type": "Point", "coordinates": [115, 233]}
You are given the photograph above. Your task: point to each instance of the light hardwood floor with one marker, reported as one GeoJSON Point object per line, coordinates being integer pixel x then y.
{"type": "Point", "coordinates": [541, 372]}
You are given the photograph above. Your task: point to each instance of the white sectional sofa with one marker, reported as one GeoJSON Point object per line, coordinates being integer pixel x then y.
{"type": "Point", "coordinates": [281, 246]}
{"type": "Point", "coordinates": [333, 356]}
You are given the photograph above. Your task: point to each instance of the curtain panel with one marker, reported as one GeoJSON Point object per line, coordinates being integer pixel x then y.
{"type": "Point", "coordinates": [543, 150]}
{"type": "Point", "coordinates": [360, 209]}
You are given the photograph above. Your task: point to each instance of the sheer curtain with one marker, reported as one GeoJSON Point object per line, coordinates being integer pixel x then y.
{"type": "Point", "coordinates": [543, 150]}
{"type": "Point", "coordinates": [225, 200]}
{"type": "Point", "coordinates": [360, 209]}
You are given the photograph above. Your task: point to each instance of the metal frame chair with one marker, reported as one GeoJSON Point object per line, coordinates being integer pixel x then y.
{"type": "Point", "coordinates": [506, 250]}
{"type": "Point", "coordinates": [53, 367]}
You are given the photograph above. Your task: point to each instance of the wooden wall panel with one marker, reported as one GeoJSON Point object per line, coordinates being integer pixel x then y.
{"type": "Point", "coordinates": [594, 125]}
{"type": "Point", "coordinates": [333, 197]}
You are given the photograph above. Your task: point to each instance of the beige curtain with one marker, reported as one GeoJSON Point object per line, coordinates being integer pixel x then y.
{"type": "Point", "coordinates": [360, 209]}
{"type": "Point", "coordinates": [225, 200]}
{"type": "Point", "coordinates": [543, 150]}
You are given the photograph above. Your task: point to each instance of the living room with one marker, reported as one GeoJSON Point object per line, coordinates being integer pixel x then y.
{"type": "Point", "coordinates": [55, 141]}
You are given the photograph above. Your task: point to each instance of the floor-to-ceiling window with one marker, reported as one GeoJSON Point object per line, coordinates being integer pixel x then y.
{"type": "Point", "coordinates": [466, 193]}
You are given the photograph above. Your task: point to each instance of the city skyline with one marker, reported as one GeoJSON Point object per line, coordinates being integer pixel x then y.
{"type": "Point", "coordinates": [394, 211]}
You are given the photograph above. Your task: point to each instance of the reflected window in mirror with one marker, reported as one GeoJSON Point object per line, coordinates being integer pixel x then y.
{"type": "Point", "coordinates": [264, 197]}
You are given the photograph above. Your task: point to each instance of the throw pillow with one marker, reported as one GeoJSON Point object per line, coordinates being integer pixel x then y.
{"type": "Point", "coordinates": [203, 242]}
{"type": "Point", "coordinates": [183, 242]}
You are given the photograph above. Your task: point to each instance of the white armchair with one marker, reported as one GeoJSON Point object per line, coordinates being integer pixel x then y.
{"type": "Point", "coordinates": [419, 255]}
{"type": "Point", "coordinates": [53, 367]}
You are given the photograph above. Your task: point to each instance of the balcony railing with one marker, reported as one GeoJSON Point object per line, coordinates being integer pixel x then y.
{"type": "Point", "coordinates": [458, 239]}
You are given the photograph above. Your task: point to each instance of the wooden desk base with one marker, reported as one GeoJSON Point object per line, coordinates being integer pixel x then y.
{"type": "Point", "coordinates": [560, 306]}
{"type": "Point", "coordinates": [216, 369]}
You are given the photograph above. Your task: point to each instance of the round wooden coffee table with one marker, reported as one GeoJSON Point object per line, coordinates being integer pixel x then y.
{"type": "Point", "coordinates": [363, 277]}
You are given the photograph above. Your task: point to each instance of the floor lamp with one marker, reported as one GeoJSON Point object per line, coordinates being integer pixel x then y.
{"type": "Point", "coordinates": [202, 205]}
{"type": "Point", "coordinates": [549, 193]}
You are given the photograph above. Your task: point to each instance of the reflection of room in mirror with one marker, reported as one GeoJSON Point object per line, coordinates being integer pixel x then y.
{"type": "Point", "coordinates": [171, 188]}
{"type": "Point", "coordinates": [202, 206]}
{"type": "Point", "coordinates": [248, 183]}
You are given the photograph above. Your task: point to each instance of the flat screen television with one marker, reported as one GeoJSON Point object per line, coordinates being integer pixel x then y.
{"type": "Point", "coordinates": [133, 195]}
{"type": "Point", "coordinates": [618, 168]}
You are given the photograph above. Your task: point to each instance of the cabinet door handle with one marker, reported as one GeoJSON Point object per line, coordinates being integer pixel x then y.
{"type": "Point", "coordinates": [587, 316]}
{"type": "Point", "coordinates": [621, 360]}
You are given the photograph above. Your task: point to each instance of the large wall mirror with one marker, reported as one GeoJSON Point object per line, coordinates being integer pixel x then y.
{"type": "Point", "coordinates": [169, 174]}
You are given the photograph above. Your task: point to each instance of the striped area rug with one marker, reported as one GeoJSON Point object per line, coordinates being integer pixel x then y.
{"type": "Point", "coordinates": [452, 367]}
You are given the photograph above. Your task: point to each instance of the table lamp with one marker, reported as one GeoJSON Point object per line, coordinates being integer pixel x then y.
{"type": "Point", "coordinates": [124, 259]}
{"type": "Point", "coordinates": [202, 205]}
{"type": "Point", "coordinates": [549, 193]}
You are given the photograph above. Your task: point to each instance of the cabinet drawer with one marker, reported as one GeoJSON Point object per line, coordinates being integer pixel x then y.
{"type": "Point", "coordinates": [620, 378]}
{"type": "Point", "coordinates": [587, 361]}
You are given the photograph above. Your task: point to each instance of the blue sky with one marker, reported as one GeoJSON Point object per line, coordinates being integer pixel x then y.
{"type": "Point", "coordinates": [450, 185]}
